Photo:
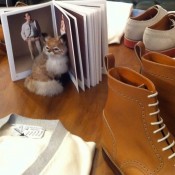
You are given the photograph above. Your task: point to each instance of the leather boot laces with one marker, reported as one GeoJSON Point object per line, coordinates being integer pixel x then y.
{"type": "Point", "coordinates": [160, 123]}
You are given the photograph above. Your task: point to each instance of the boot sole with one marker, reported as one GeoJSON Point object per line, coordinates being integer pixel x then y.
{"type": "Point", "coordinates": [130, 43]}
{"type": "Point", "coordinates": [111, 163]}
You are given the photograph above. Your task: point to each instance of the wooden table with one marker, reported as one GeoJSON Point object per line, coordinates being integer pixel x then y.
{"type": "Point", "coordinates": [80, 113]}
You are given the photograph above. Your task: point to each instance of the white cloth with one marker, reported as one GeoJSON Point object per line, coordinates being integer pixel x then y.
{"type": "Point", "coordinates": [117, 16]}
{"type": "Point", "coordinates": [58, 152]}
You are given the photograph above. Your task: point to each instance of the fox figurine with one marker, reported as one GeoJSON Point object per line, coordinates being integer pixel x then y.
{"type": "Point", "coordinates": [47, 67]}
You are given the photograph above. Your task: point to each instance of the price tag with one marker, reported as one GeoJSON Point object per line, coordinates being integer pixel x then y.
{"type": "Point", "coordinates": [30, 131]}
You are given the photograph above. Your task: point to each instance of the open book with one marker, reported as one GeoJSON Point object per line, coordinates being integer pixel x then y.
{"type": "Point", "coordinates": [86, 29]}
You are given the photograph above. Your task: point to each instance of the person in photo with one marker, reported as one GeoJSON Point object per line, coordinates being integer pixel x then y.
{"type": "Point", "coordinates": [31, 33]}
{"type": "Point", "coordinates": [62, 26]}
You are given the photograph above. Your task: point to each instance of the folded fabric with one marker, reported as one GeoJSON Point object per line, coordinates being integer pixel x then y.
{"type": "Point", "coordinates": [117, 16]}
{"type": "Point", "coordinates": [55, 152]}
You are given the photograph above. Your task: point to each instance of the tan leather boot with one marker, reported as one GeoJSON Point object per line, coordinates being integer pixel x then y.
{"type": "Point", "coordinates": [160, 69]}
{"type": "Point", "coordinates": [135, 140]}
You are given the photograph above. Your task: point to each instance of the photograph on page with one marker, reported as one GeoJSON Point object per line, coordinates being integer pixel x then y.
{"type": "Point", "coordinates": [24, 42]}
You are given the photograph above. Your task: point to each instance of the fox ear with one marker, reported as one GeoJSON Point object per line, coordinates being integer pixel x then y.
{"type": "Point", "coordinates": [45, 37]}
{"type": "Point", "coordinates": [62, 38]}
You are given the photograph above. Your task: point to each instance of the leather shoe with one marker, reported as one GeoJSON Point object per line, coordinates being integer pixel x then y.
{"type": "Point", "coordinates": [160, 36]}
{"type": "Point", "coordinates": [136, 25]}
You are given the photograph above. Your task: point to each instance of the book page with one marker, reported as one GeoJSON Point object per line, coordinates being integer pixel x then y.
{"type": "Point", "coordinates": [77, 52]}
{"type": "Point", "coordinates": [104, 40]}
{"type": "Point", "coordinates": [90, 37]}
{"type": "Point", "coordinates": [97, 41]}
{"type": "Point", "coordinates": [59, 16]}
{"type": "Point", "coordinates": [19, 57]}
{"type": "Point", "coordinates": [82, 28]}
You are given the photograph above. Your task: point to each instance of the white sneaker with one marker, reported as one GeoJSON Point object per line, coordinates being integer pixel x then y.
{"type": "Point", "coordinates": [136, 25]}
{"type": "Point", "coordinates": [160, 37]}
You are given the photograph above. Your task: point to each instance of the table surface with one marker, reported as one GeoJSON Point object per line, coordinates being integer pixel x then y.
{"type": "Point", "coordinates": [80, 113]}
